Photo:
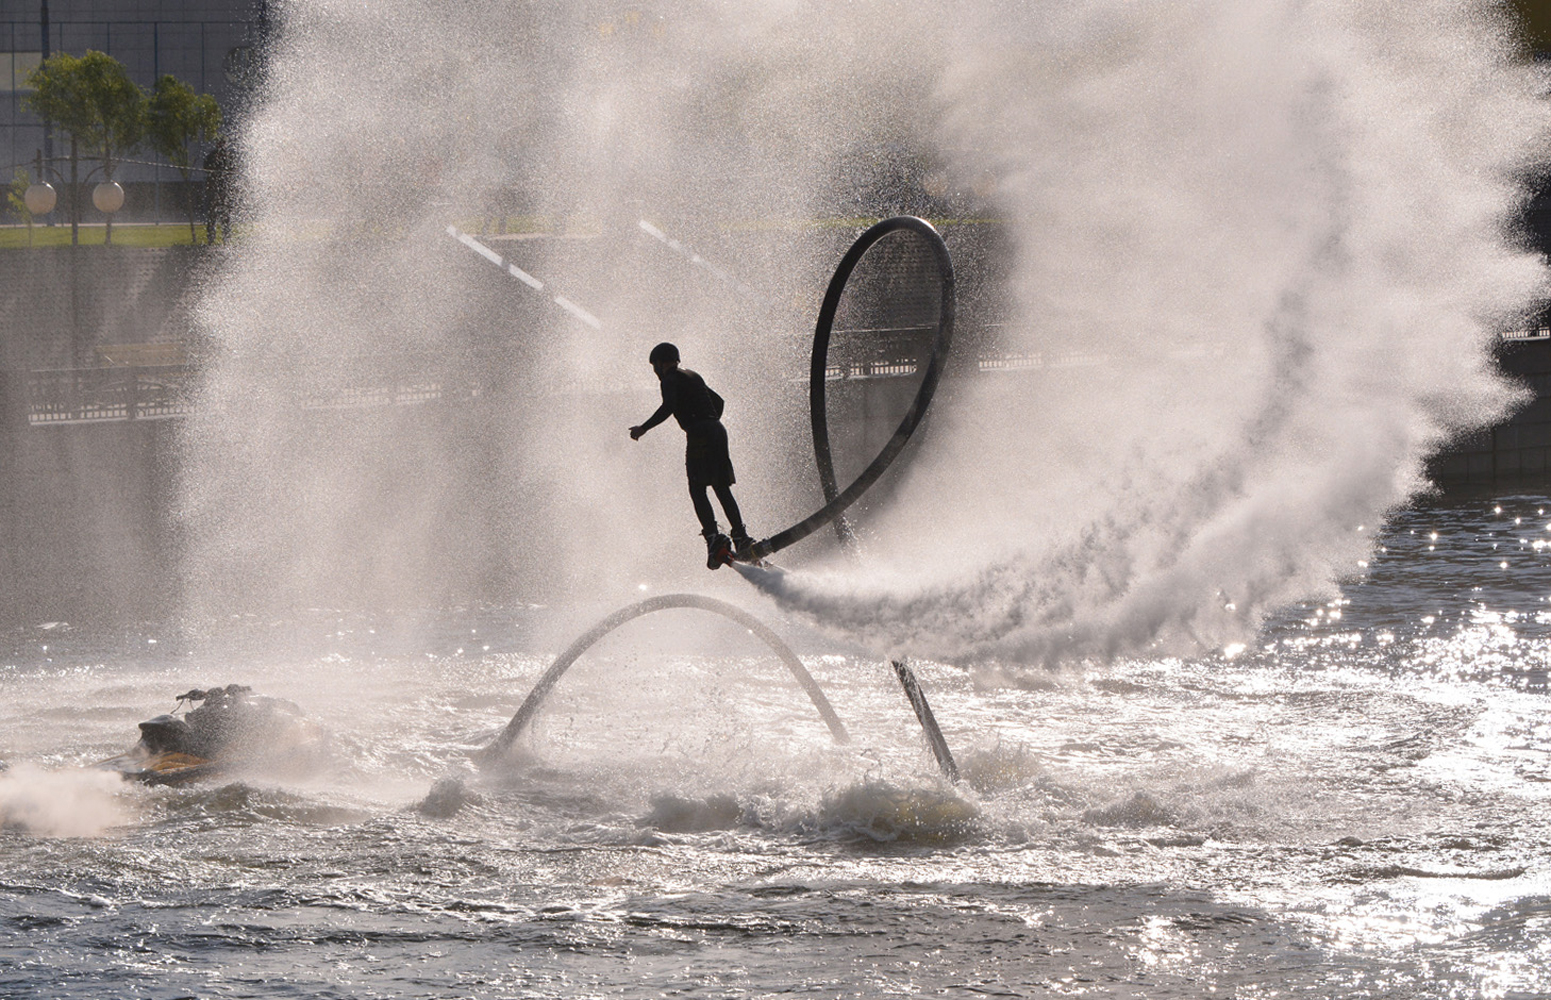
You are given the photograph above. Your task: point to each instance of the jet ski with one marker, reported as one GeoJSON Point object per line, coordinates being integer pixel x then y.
{"type": "Point", "coordinates": [231, 729]}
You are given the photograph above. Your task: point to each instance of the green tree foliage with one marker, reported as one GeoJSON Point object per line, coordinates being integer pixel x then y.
{"type": "Point", "coordinates": [17, 197]}
{"type": "Point", "coordinates": [177, 117]}
{"type": "Point", "coordinates": [92, 99]}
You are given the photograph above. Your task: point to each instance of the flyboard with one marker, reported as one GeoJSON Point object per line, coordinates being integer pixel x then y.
{"type": "Point", "coordinates": [836, 500]}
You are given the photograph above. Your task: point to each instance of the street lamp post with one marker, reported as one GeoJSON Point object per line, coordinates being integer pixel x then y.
{"type": "Point", "coordinates": [107, 196]}
{"type": "Point", "coordinates": [45, 168]}
{"type": "Point", "coordinates": [40, 198]}
{"type": "Point", "coordinates": [75, 194]}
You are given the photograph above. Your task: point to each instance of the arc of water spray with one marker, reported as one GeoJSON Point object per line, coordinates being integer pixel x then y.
{"type": "Point", "coordinates": [484, 251]}
{"type": "Point", "coordinates": [535, 699]}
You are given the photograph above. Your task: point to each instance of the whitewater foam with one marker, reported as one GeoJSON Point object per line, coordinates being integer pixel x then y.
{"type": "Point", "coordinates": [69, 802]}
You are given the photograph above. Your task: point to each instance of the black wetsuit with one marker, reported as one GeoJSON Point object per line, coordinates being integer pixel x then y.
{"type": "Point", "coordinates": [698, 409]}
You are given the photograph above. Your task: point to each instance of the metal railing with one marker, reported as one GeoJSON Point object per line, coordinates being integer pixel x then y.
{"type": "Point", "coordinates": [90, 395]}
{"type": "Point", "coordinates": [136, 391]}
{"type": "Point", "coordinates": [95, 395]}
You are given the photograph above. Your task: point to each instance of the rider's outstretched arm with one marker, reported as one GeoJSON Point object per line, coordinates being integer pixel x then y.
{"type": "Point", "coordinates": [663, 413]}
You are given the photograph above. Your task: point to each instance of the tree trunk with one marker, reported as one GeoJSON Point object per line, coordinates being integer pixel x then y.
{"type": "Point", "coordinates": [75, 198]}
{"type": "Point", "coordinates": [188, 200]}
{"type": "Point", "coordinates": [107, 178]}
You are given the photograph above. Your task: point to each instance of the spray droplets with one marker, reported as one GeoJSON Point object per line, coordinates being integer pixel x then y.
{"type": "Point", "coordinates": [1277, 193]}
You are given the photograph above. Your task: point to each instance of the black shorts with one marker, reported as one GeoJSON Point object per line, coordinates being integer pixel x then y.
{"type": "Point", "coordinates": [705, 455]}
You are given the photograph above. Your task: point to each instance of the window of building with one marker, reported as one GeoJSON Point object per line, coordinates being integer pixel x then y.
{"type": "Point", "coordinates": [15, 67]}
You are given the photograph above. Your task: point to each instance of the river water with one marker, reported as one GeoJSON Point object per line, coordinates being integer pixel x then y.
{"type": "Point", "coordinates": [1357, 805]}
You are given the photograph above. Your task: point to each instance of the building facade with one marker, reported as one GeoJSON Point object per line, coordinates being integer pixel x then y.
{"type": "Point", "coordinates": [211, 45]}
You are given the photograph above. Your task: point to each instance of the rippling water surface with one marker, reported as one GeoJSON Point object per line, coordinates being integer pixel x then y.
{"type": "Point", "coordinates": [1357, 805]}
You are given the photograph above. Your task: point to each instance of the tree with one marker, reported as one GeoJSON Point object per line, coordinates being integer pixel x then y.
{"type": "Point", "coordinates": [17, 196]}
{"type": "Point", "coordinates": [176, 118]}
{"type": "Point", "coordinates": [92, 99]}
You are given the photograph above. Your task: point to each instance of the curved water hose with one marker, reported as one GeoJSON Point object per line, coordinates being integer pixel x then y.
{"type": "Point", "coordinates": [535, 699]}
{"type": "Point", "coordinates": [836, 500]}
{"type": "Point", "coordinates": [917, 697]}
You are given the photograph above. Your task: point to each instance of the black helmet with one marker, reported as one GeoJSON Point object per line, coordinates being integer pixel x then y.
{"type": "Point", "coordinates": [663, 354]}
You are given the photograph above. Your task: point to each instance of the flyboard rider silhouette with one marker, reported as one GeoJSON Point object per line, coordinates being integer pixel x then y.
{"type": "Point", "coordinates": [698, 409]}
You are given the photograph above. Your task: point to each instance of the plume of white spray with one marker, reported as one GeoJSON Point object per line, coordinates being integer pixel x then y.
{"type": "Point", "coordinates": [63, 803]}
{"type": "Point", "coordinates": [1280, 228]}
{"type": "Point", "coordinates": [381, 123]}
{"type": "Point", "coordinates": [1285, 231]}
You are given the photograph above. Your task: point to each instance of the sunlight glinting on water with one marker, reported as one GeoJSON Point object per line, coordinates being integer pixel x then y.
{"type": "Point", "coordinates": [1328, 810]}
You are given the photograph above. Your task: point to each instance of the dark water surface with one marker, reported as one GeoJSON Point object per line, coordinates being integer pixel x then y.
{"type": "Point", "coordinates": [1358, 804]}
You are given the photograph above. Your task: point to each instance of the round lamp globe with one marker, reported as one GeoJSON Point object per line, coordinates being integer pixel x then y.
{"type": "Point", "coordinates": [40, 198]}
{"type": "Point", "coordinates": [108, 196]}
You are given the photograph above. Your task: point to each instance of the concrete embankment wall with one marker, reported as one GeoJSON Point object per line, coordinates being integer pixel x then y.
{"type": "Point", "coordinates": [90, 517]}
{"type": "Point", "coordinates": [93, 524]}
{"type": "Point", "coordinates": [59, 304]}
{"type": "Point", "coordinates": [86, 519]}
{"type": "Point", "coordinates": [1518, 450]}
{"type": "Point", "coordinates": [86, 523]}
